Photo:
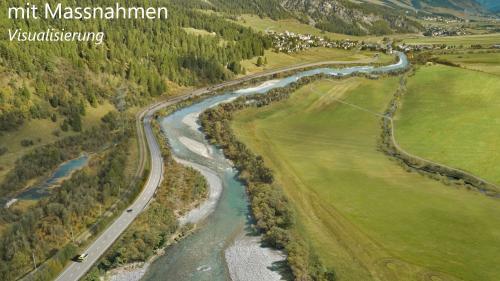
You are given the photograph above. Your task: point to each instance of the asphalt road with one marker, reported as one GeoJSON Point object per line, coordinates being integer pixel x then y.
{"type": "Point", "coordinates": [75, 270]}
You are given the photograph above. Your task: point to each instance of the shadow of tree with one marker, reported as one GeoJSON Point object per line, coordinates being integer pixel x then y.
{"type": "Point", "coordinates": [283, 269]}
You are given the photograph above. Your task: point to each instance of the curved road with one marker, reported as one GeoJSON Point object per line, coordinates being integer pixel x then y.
{"type": "Point", "coordinates": [75, 271]}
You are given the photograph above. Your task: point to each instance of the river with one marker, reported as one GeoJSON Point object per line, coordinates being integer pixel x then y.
{"type": "Point", "coordinates": [223, 248]}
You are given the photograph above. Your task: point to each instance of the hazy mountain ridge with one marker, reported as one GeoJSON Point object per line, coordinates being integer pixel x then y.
{"type": "Point", "coordinates": [492, 5]}
{"type": "Point", "coordinates": [358, 17]}
{"type": "Point", "coordinates": [440, 6]}
{"type": "Point", "coordinates": [351, 18]}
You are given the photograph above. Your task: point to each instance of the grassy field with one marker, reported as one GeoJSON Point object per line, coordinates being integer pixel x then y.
{"type": "Point", "coordinates": [486, 62]}
{"type": "Point", "coordinates": [201, 32]}
{"type": "Point", "coordinates": [484, 39]}
{"type": "Point", "coordinates": [363, 214]}
{"type": "Point", "coordinates": [41, 132]}
{"type": "Point", "coordinates": [276, 60]}
{"type": "Point", "coordinates": [452, 116]}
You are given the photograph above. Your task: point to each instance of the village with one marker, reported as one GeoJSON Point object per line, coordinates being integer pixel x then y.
{"type": "Point", "coordinates": [448, 20]}
{"type": "Point", "coordinates": [436, 31]}
{"type": "Point", "coordinates": [290, 42]}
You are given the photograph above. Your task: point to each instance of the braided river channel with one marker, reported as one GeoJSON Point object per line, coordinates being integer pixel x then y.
{"type": "Point", "coordinates": [224, 247]}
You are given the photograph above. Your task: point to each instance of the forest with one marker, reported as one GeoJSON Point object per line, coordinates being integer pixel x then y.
{"type": "Point", "coordinates": [47, 229]}
{"type": "Point", "coordinates": [141, 57]}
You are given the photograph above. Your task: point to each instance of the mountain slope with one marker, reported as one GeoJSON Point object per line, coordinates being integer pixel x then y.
{"type": "Point", "coordinates": [436, 6]}
{"type": "Point", "coordinates": [356, 17]}
{"type": "Point", "coordinates": [351, 18]}
{"type": "Point", "coordinates": [491, 5]}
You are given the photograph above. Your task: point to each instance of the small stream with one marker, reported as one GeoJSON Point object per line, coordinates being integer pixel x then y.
{"type": "Point", "coordinates": [201, 256]}
{"type": "Point", "coordinates": [43, 190]}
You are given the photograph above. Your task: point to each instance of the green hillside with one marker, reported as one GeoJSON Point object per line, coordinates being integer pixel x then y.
{"type": "Point", "coordinates": [61, 86]}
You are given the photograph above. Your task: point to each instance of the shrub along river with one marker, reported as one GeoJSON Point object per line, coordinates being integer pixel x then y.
{"type": "Point", "coordinates": [224, 248]}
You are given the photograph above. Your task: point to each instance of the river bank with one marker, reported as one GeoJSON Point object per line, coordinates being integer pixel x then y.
{"type": "Point", "coordinates": [241, 249]}
{"type": "Point", "coordinates": [136, 271]}
{"type": "Point", "coordinates": [220, 250]}
{"type": "Point", "coordinates": [208, 206]}
{"type": "Point", "coordinates": [247, 260]}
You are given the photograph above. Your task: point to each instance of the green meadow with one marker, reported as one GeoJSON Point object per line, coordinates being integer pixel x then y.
{"type": "Point", "coordinates": [452, 116]}
{"type": "Point", "coordinates": [466, 40]}
{"type": "Point", "coordinates": [363, 214]}
{"type": "Point", "coordinates": [277, 60]}
{"type": "Point", "coordinates": [485, 62]}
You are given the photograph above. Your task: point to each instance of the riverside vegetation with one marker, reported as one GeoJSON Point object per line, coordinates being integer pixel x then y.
{"type": "Point", "coordinates": [49, 228]}
{"type": "Point", "coordinates": [272, 212]}
{"type": "Point", "coordinates": [181, 189]}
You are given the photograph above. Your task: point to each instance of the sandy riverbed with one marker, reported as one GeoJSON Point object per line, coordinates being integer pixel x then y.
{"type": "Point", "coordinates": [131, 272]}
{"type": "Point", "coordinates": [248, 261]}
{"type": "Point", "coordinates": [134, 272]}
{"type": "Point", "coordinates": [196, 147]}
{"type": "Point", "coordinates": [192, 120]}
{"type": "Point", "coordinates": [214, 193]}
{"type": "Point", "coordinates": [259, 88]}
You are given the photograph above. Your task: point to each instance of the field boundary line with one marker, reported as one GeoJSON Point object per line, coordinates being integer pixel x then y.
{"type": "Point", "coordinates": [418, 163]}
{"type": "Point", "coordinates": [439, 170]}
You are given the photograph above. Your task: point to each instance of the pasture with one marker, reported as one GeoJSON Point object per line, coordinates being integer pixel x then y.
{"type": "Point", "coordinates": [480, 61]}
{"type": "Point", "coordinates": [363, 214]}
{"type": "Point", "coordinates": [466, 40]}
{"type": "Point", "coordinates": [277, 60]}
{"type": "Point", "coordinates": [451, 116]}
